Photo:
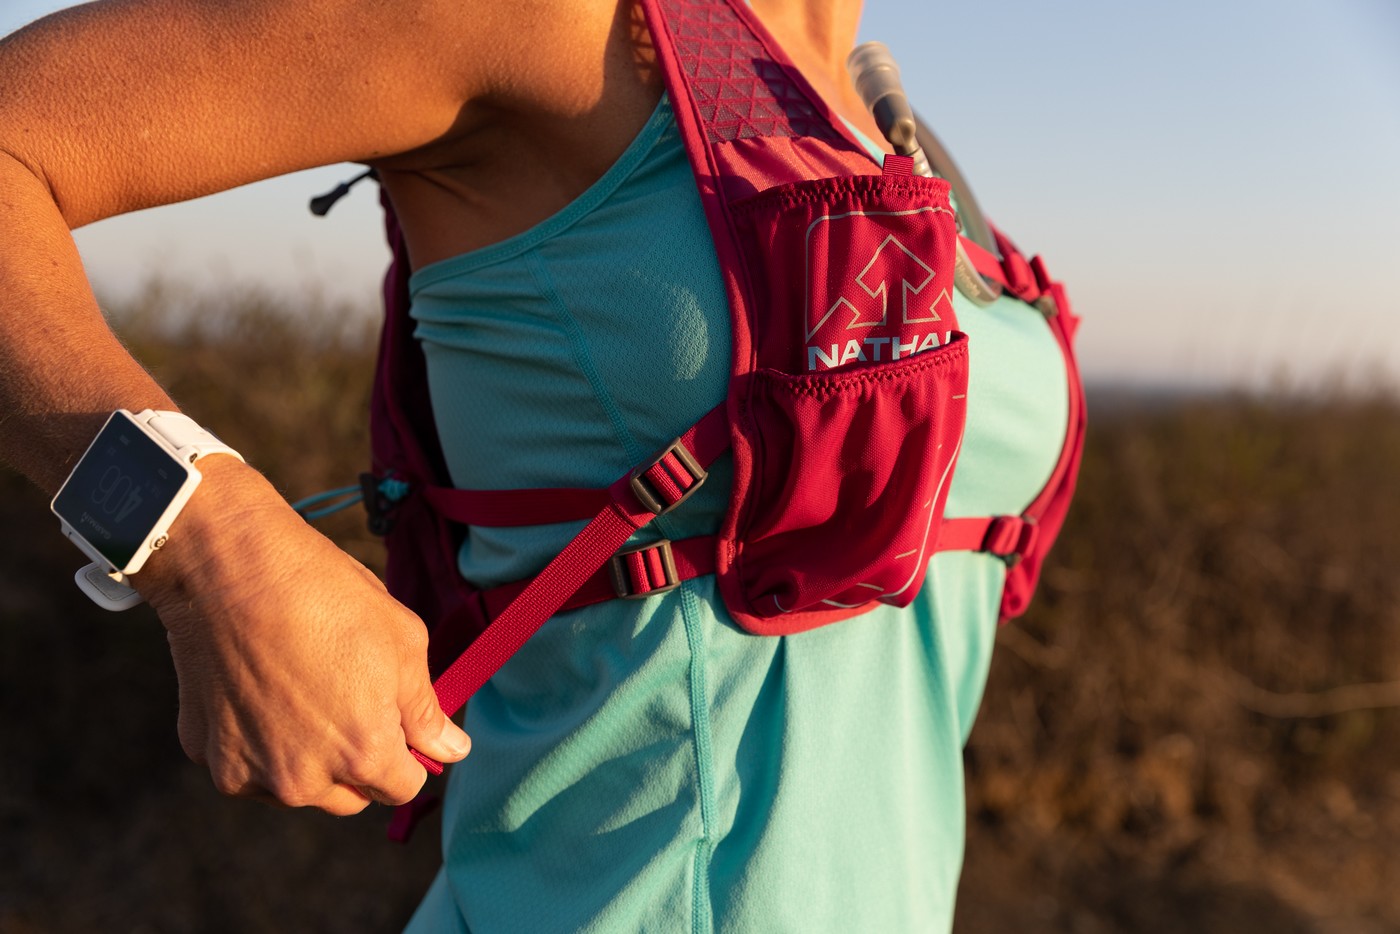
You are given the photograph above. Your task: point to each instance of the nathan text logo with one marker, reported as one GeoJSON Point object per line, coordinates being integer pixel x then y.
{"type": "Point", "coordinates": [872, 350]}
{"type": "Point", "coordinates": [894, 282]}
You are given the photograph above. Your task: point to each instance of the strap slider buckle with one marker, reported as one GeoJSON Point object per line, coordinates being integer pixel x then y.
{"type": "Point", "coordinates": [1009, 538]}
{"type": "Point", "coordinates": [644, 571]}
{"type": "Point", "coordinates": [668, 479]}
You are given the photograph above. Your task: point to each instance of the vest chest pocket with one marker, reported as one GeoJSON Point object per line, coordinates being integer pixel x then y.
{"type": "Point", "coordinates": [853, 409]}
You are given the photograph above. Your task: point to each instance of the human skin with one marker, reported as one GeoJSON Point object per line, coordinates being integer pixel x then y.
{"type": "Point", "coordinates": [301, 680]}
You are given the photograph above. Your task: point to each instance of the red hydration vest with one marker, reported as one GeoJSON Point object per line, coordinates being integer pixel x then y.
{"type": "Point", "coordinates": [846, 401]}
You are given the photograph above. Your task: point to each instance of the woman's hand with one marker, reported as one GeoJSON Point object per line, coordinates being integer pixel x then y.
{"type": "Point", "coordinates": [301, 679]}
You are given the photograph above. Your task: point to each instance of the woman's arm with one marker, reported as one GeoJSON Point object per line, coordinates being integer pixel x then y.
{"type": "Point", "coordinates": [299, 676]}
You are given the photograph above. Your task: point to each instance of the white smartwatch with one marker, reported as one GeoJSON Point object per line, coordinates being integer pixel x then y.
{"type": "Point", "coordinates": [119, 502]}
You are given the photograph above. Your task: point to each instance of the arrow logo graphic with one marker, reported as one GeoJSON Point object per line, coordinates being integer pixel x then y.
{"type": "Point", "coordinates": [867, 304]}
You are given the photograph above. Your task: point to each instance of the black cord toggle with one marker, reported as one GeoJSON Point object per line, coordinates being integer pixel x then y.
{"type": "Point", "coordinates": [321, 206]}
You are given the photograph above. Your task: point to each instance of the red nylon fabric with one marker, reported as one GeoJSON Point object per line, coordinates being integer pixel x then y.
{"type": "Point", "coordinates": [849, 492]}
{"type": "Point", "coordinates": [737, 83]}
{"type": "Point", "coordinates": [653, 571]}
{"type": "Point", "coordinates": [541, 598]}
{"type": "Point", "coordinates": [875, 256]}
{"type": "Point", "coordinates": [984, 262]}
{"type": "Point", "coordinates": [663, 480]}
{"type": "Point", "coordinates": [899, 165]}
{"type": "Point", "coordinates": [637, 565]}
{"type": "Point", "coordinates": [744, 168]}
{"type": "Point", "coordinates": [965, 534]}
{"type": "Point", "coordinates": [677, 472]}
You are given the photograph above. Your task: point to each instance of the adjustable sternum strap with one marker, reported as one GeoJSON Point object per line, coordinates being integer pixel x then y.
{"type": "Point", "coordinates": [633, 501]}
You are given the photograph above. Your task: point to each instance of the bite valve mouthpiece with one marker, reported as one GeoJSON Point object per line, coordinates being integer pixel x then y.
{"type": "Point", "coordinates": [876, 76]}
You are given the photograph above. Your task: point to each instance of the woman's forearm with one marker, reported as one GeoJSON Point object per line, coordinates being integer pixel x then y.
{"type": "Point", "coordinates": [62, 370]}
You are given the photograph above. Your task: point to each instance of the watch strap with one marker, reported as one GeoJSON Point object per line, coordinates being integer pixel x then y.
{"type": "Point", "coordinates": [106, 591]}
{"type": "Point", "coordinates": [186, 438]}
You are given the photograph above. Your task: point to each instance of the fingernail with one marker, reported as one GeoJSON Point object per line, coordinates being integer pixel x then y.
{"type": "Point", "coordinates": [455, 740]}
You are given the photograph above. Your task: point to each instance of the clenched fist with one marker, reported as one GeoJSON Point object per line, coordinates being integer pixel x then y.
{"type": "Point", "coordinates": [301, 679]}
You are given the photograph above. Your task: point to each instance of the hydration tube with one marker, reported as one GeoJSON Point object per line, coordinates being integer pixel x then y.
{"type": "Point", "coordinates": [875, 74]}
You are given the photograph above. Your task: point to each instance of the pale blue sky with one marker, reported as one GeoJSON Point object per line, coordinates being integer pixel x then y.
{"type": "Point", "coordinates": [1214, 179]}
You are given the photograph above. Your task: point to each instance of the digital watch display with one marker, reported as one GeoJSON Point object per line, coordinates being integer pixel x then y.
{"type": "Point", "coordinates": [118, 504]}
{"type": "Point", "coordinates": [123, 494]}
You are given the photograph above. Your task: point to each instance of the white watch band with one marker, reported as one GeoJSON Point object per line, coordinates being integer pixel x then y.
{"type": "Point", "coordinates": [106, 591]}
{"type": "Point", "coordinates": [187, 438]}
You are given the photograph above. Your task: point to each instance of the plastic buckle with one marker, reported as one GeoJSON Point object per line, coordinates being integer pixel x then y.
{"type": "Point", "coordinates": [668, 479]}
{"type": "Point", "coordinates": [1009, 538]}
{"type": "Point", "coordinates": [1050, 292]}
{"type": "Point", "coordinates": [378, 506]}
{"type": "Point", "coordinates": [644, 571]}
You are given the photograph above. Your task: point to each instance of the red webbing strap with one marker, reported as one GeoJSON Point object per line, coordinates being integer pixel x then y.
{"type": "Point", "coordinates": [514, 508]}
{"type": "Point", "coordinates": [963, 534]}
{"type": "Point", "coordinates": [543, 596]}
{"type": "Point", "coordinates": [562, 577]}
{"type": "Point", "coordinates": [1004, 536]}
{"type": "Point", "coordinates": [1049, 508]}
{"type": "Point", "coordinates": [898, 165]}
{"type": "Point", "coordinates": [694, 557]}
{"type": "Point", "coordinates": [1016, 273]}
{"type": "Point", "coordinates": [984, 261]}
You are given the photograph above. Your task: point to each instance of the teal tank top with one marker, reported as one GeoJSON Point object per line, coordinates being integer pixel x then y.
{"type": "Point", "coordinates": [647, 765]}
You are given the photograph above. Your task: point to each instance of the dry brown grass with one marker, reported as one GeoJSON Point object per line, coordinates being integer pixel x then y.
{"type": "Point", "coordinates": [1197, 725]}
{"type": "Point", "coordinates": [1194, 728]}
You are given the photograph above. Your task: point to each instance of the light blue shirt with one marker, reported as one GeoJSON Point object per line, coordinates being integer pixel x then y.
{"type": "Point", "coordinates": [646, 765]}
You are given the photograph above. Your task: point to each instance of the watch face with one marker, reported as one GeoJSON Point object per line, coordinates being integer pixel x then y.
{"type": "Point", "coordinates": [120, 490]}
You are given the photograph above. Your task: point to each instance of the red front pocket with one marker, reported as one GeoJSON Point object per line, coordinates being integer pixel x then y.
{"type": "Point", "coordinates": [850, 391]}
{"type": "Point", "coordinates": [851, 473]}
{"type": "Point", "coordinates": [845, 271]}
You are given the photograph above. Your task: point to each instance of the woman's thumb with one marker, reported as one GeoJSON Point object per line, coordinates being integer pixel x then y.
{"type": "Point", "coordinates": [427, 729]}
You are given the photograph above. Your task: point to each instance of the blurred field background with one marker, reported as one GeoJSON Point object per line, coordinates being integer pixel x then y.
{"type": "Point", "coordinates": [1195, 728]}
